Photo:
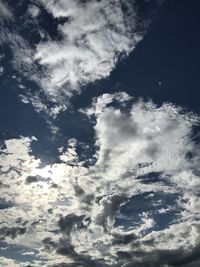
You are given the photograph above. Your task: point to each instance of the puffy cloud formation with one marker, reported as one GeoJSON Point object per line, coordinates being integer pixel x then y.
{"type": "Point", "coordinates": [136, 203]}
{"type": "Point", "coordinates": [94, 35]}
{"type": "Point", "coordinates": [82, 43]}
{"type": "Point", "coordinates": [8, 263]}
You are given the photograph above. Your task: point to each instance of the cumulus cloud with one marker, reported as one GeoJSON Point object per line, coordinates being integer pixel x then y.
{"type": "Point", "coordinates": [122, 137]}
{"type": "Point", "coordinates": [88, 40]}
{"type": "Point", "coordinates": [94, 35]}
{"type": "Point", "coordinates": [82, 44]}
{"type": "Point", "coordinates": [8, 263]}
{"type": "Point", "coordinates": [138, 203]}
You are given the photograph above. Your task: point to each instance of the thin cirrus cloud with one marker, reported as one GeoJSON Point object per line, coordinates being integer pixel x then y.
{"type": "Point", "coordinates": [136, 161]}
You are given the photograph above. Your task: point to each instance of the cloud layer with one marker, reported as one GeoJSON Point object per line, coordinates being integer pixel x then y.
{"type": "Point", "coordinates": [75, 214]}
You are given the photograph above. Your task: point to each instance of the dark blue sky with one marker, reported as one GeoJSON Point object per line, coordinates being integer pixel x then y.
{"type": "Point", "coordinates": [169, 53]}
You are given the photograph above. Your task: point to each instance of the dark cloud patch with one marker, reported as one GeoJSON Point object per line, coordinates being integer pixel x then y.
{"type": "Point", "coordinates": [151, 177]}
{"type": "Point", "coordinates": [32, 179]}
{"type": "Point", "coordinates": [164, 258]}
{"type": "Point", "coordinates": [180, 257]}
{"type": "Point", "coordinates": [63, 247]}
{"type": "Point", "coordinates": [49, 244]}
{"type": "Point", "coordinates": [124, 239]}
{"type": "Point", "coordinates": [4, 204]}
{"type": "Point", "coordinates": [68, 222]}
{"type": "Point", "coordinates": [37, 178]}
{"type": "Point", "coordinates": [12, 232]}
{"type": "Point", "coordinates": [123, 254]}
{"type": "Point", "coordinates": [66, 249]}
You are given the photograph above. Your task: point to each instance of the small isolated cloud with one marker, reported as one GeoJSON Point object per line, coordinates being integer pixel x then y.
{"type": "Point", "coordinates": [1, 70]}
{"type": "Point", "coordinates": [34, 11]}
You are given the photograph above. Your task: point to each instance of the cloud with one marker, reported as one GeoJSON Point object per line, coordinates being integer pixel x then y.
{"type": "Point", "coordinates": [83, 43]}
{"type": "Point", "coordinates": [11, 232]}
{"type": "Point", "coordinates": [34, 11]}
{"type": "Point", "coordinates": [88, 40]}
{"type": "Point", "coordinates": [140, 136]}
{"type": "Point", "coordinates": [8, 263]}
{"type": "Point", "coordinates": [136, 204]}
{"type": "Point", "coordinates": [5, 12]}
{"type": "Point", "coordinates": [94, 36]}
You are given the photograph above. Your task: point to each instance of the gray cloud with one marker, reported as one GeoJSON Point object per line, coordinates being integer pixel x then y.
{"type": "Point", "coordinates": [12, 232]}
{"type": "Point", "coordinates": [67, 223]}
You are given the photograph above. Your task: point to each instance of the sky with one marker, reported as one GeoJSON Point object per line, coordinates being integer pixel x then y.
{"type": "Point", "coordinates": [99, 133]}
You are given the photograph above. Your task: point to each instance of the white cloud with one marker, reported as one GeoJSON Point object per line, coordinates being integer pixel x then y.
{"type": "Point", "coordinates": [141, 152]}
{"type": "Point", "coordinates": [156, 137]}
{"type": "Point", "coordinates": [34, 11]}
{"type": "Point", "coordinates": [70, 155]}
{"type": "Point", "coordinates": [8, 263]}
{"type": "Point", "coordinates": [96, 34]}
